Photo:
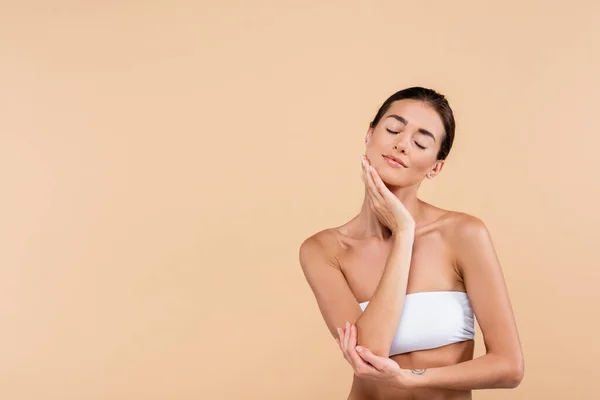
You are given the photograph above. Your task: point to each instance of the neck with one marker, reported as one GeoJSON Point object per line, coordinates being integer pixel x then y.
{"type": "Point", "coordinates": [369, 225]}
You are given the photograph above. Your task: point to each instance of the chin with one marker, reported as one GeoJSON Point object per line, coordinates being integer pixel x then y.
{"type": "Point", "coordinates": [391, 175]}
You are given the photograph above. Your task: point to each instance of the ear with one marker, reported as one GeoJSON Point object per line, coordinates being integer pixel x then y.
{"type": "Point", "coordinates": [436, 169]}
{"type": "Point", "coordinates": [369, 135]}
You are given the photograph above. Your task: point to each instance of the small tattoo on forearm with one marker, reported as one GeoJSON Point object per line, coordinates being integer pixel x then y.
{"type": "Point", "coordinates": [418, 371]}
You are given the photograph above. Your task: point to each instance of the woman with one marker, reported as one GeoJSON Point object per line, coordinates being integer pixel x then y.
{"type": "Point", "coordinates": [399, 284]}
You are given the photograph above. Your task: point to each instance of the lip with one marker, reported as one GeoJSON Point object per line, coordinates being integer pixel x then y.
{"type": "Point", "coordinates": [402, 163]}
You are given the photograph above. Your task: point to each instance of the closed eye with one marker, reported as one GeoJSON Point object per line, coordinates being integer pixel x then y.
{"type": "Point", "coordinates": [415, 142]}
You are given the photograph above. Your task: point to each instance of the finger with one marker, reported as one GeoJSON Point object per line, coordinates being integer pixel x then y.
{"type": "Point", "coordinates": [365, 170]}
{"type": "Point", "coordinates": [378, 185]}
{"type": "Point", "coordinates": [353, 335]}
{"type": "Point", "coordinates": [375, 202]}
{"type": "Point", "coordinates": [375, 360]}
{"type": "Point", "coordinates": [375, 199]}
{"type": "Point", "coordinates": [352, 346]}
{"type": "Point", "coordinates": [362, 163]}
{"type": "Point", "coordinates": [358, 364]}
{"type": "Point", "coordinates": [346, 345]}
{"type": "Point", "coordinates": [356, 360]}
{"type": "Point", "coordinates": [346, 336]}
{"type": "Point", "coordinates": [365, 173]}
{"type": "Point", "coordinates": [346, 348]}
{"type": "Point", "coordinates": [376, 178]}
{"type": "Point", "coordinates": [365, 160]}
{"type": "Point", "coordinates": [375, 187]}
{"type": "Point", "coordinates": [372, 191]}
{"type": "Point", "coordinates": [342, 342]}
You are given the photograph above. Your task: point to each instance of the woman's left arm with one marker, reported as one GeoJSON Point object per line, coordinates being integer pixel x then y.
{"type": "Point", "coordinates": [502, 366]}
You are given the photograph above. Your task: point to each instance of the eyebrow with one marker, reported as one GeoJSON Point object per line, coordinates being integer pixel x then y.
{"type": "Point", "coordinates": [421, 130]}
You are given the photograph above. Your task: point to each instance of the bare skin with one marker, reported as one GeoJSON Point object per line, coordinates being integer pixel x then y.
{"type": "Point", "coordinates": [447, 251]}
{"type": "Point", "coordinates": [362, 261]}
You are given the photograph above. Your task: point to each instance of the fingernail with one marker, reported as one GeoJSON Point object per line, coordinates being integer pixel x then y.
{"type": "Point", "coordinates": [347, 324]}
{"type": "Point", "coordinates": [359, 349]}
{"type": "Point", "coordinates": [339, 331]}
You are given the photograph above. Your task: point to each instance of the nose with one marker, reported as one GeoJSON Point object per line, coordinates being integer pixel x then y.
{"type": "Point", "coordinates": [401, 143]}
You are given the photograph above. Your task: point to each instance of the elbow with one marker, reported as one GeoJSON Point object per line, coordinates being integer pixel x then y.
{"type": "Point", "coordinates": [376, 347]}
{"type": "Point", "coordinates": [513, 374]}
{"type": "Point", "coordinates": [372, 341]}
{"type": "Point", "coordinates": [380, 351]}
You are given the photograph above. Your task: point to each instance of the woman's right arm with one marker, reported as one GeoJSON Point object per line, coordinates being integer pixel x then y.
{"type": "Point", "coordinates": [377, 325]}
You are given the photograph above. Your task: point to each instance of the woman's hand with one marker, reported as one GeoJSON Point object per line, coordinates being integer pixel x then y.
{"type": "Point", "coordinates": [387, 207]}
{"type": "Point", "coordinates": [368, 365]}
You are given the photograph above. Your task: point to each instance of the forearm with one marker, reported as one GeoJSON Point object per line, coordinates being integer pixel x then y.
{"type": "Point", "coordinates": [377, 325]}
{"type": "Point", "coordinates": [489, 371]}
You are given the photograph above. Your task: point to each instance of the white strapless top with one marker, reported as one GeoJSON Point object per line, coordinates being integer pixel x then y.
{"type": "Point", "coordinates": [432, 319]}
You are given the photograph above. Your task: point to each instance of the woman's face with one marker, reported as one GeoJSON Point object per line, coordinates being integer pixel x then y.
{"type": "Point", "coordinates": [411, 132]}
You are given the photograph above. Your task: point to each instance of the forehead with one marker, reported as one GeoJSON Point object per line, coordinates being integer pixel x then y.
{"type": "Point", "coordinates": [418, 114]}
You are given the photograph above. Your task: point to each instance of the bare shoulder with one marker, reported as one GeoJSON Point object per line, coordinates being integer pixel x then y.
{"type": "Point", "coordinates": [471, 243]}
{"type": "Point", "coordinates": [461, 226]}
{"type": "Point", "coordinates": [322, 245]}
{"type": "Point", "coordinates": [318, 258]}
{"type": "Point", "coordinates": [462, 232]}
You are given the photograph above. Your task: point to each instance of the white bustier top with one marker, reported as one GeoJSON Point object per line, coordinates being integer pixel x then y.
{"type": "Point", "coordinates": [432, 319]}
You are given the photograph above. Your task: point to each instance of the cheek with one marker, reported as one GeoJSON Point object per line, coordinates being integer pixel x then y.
{"type": "Point", "coordinates": [422, 163]}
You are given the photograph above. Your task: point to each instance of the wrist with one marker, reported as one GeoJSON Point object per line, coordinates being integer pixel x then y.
{"type": "Point", "coordinates": [404, 235]}
{"type": "Point", "coordinates": [412, 378]}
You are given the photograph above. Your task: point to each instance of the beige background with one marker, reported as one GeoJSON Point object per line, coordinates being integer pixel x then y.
{"type": "Point", "coordinates": [161, 162]}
